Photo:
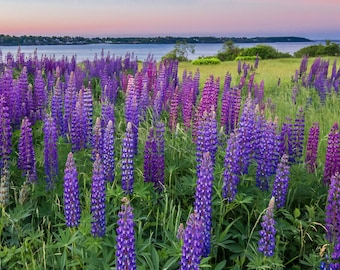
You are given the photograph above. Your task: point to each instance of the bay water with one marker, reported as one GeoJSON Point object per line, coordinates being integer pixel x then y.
{"type": "Point", "coordinates": [141, 51]}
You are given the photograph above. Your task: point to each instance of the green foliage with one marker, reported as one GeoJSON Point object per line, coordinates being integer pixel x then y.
{"type": "Point", "coordinates": [329, 49]}
{"type": "Point", "coordinates": [264, 51]}
{"type": "Point", "coordinates": [246, 58]}
{"type": "Point", "coordinates": [206, 61]}
{"type": "Point", "coordinates": [229, 51]}
{"type": "Point", "coordinates": [33, 235]}
{"type": "Point", "coordinates": [180, 52]}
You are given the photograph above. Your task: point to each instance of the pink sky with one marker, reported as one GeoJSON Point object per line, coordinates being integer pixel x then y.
{"type": "Point", "coordinates": [315, 19]}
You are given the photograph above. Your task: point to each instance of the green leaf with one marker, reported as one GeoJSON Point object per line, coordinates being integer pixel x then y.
{"type": "Point", "coordinates": [220, 265]}
{"type": "Point", "coordinates": [297, 212]}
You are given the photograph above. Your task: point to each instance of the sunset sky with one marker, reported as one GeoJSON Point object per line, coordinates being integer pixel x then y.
{"type": "Point", "coordinates": [314, 19]}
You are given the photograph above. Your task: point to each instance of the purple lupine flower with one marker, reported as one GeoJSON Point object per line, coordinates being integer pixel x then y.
{"type": "Point", "coordinates": [26, 159]}
{"type": "Point", "coordinates": [206, 137]}
{"type": "Point", "coordinates": [231, 104]}
{"type": "Point", "coordinates": [246, 136]}
{"type": "Point", "coordinates": [132, 111]}
{"type": "Point", "coordinates": [127, 160]}
{"type": "Point", "coordinates": [5, 132]}
{"type": "Point", "coordinates": [333, 215]}
{"type": "Point", "coordinates": [266, 153]}
{"type": "Point", "coordinates": [203, 199]}
{"type": "Point", "coordinates": [256, 64]}
{"type": "Point", "coordinates": [39, 97]}
{"type": "Point", "coordinates": [149, 160]}
{"type": "Point", "coordinates": [303, 66]}
{"type": "Point", "coordinates": [108, 152]}
{"type": "Point", "coordinates": [5, 151]}
{"type": "Point", "coordinates": [78, 126]}
{"type": "Point", "coordinates": [97, 139]}
{"type": "Point", "coordinates": [107, 113]}
{"type": "Point", "coordinates": [173, 114]}
{"type": "Point", "coordinates": [125, 247]}
{"type": "Point", "coordinates": [192, 243]}
{"type": "Point", "coordinates": [280, 186]}
{"type": "Point", "coordinates": [98, 224]}
{"type": "Point", "coordinates": [88, 115]}
{"type": "Point", "coordinates": [50, 151]}
{"type": "Point", "coordinates": [70, 100]}
{"type": "Point", "coordinates": [4, 183]}
{"type": "Point", "coordinates": [72, 208]}
{"type": "Point", "coordinates": [231, 173]}
{"type": "Point", "coordinates": [57, 107]}
{"type": "Point", "coordinates": [332, 162]}
{"type": "Point", "coordinates": [312, 148]}
{"type": "Point", "coordinates": [239, 67]}
{"type": "Point", "coordinates": [286, 139]}
{"type": "Point", "coordinates": [266, 244]}
{"type": "Point", "coordinates": [159, 158]}
{"type": "Point", "coordinates": [298, 135]}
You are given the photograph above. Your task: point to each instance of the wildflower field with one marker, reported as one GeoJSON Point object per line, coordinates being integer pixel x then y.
{"type": "Point", "coordinates": [114, 163]}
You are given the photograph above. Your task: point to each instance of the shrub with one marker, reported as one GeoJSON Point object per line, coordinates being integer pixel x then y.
{"type": "Point", "coordinates": [264, 51]}
{"type": "Point", "coordinates": [229, 51]}
{"type": "Point", "coordinates": [206, 61]}
{"type": "Point", "coordinates": [246, 58]}
{"type": "Point", "coordinates": [329, 49]}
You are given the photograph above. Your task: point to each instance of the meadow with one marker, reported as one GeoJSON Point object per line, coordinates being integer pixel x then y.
{"type": "Point", "coordinates": [118, 164]}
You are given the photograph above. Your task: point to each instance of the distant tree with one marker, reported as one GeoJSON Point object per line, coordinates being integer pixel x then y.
{"type": "Point", "coordinates": [229, 51]}
{"type": "Point", "coordinates": [180, 52]}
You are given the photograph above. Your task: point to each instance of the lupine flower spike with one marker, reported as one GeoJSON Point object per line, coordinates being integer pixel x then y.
{"type": "Point", "coordinates": [266, 244]}
{"type": "Point", "coordinates": [98, 199]}
{"type": "Point", "coordinates": [125, 249]}
{"type": "Point", "coordinates": [192, 243]}
{"type": "Point", "coordinates": [71, 193]}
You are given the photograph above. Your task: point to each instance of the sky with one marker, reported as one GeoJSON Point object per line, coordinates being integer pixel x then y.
{"type": "Point", "coordinates": [313, 19]}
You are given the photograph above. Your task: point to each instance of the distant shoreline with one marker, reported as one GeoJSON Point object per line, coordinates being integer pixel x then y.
{"type": "Point", "coordinates": [7, 40]}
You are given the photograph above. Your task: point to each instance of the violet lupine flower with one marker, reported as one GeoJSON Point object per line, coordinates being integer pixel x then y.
{"type": "Point", "coordinates": [39, 97]}
{"type": "Point", "coordinates": [246, 136]}
{"type": "Point", "coordinates": [173, 114]}
{"type": "Point", "coordinates": [266, 244]}
{"type": "Point", "coordinates": [239, 67]}
{"type": "Point", "coordinates": [286, 139]}
{"type": "Point", "coordinates": [127, 160]}
{"type": "Point", "coordinates": [298, 135]}
{"type": "Point", "coordinates": [98, 224]}
{"type": "Point", "coordinates": [266, 153]}
{"type": "Point", "coordinates": [108, 152]}
{"type": "Point", "coordinates": [232, 169]}
{"type": "Point", "coordinates": [26, 159]}
{"type": "Point", "coordinates": [206, 137]}
{"type": "Point", "coordinates": [333, 215]}
{"type": "Point", "coordinates": [231, 104]}
{"type": "Point", "coordinates": [192, 243]}
{"type": "Point", "coordinates": [203, 199]}
{"type": "Point", "coordinates": [107, 113]}
{"type": "Point", "coordinates": [50, 152]}
{"type": "Point", "coordinates": [97, 139]}
{"type": "Point", "coordinates": [57, 107]}
{"type": "Point", "coordinates": [78, 139]}
{"type": "Point", "coordinates": [149, 150]}
{"type": "Point", "coordinates": [88, 115]}
{"type": "Point", "coordinates": [72, 208]}
{"type": "Point", "coordinates": [4, 183]}
{"type": "Point", "coordinates": [125, 247]}
{"type": "Point", "coordinates": [70, 99]}
{"type": "Point", "coordinates": [280, 186]}
{"type": "Point", "coordinates": [256, 64]}
{"type": "Point", "coordinates": [312, 148]}
{"type": "Point", "coordinates": [303, 66]}
{"type": "Point", "coordinates": [332, 162]}
{"type": "Point", "coordinates": [5, 132]}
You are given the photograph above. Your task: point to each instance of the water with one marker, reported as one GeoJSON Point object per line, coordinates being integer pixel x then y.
{"type": "Point", "coordinates": [83, 52]}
